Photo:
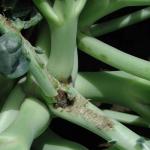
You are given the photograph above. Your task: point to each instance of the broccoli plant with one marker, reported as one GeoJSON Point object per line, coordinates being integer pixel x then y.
{"type": "Point", "coordinates": [40, 81]}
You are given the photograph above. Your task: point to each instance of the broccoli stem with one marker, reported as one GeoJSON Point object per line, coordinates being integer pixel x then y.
{"type": "Point", "coordinates": [120, 22]}
{"type": "Point", "coordinates": [130, 91]}
{"type": "Point", "coordinates": [100, 86]}
{"type": "Point", "coordinates": [29, 124]}
{"type": "Point", "coordinates": [103, 8]}
{"type": "Point", "coordinates": [114, 57]}
{"type": "Point", "coordinates": [127, 118]}
{"type": "Point", "coordinates": [11, 108]}
{"type": "Point", "coordinates": [88, 116]}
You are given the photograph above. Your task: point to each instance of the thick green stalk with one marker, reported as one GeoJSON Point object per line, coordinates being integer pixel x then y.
{"type": "Point", "coordinates": [103, 8]}
{"type": "Point", "coordinates": [63, 36]}
{"type": "Point", "coordinates": [39, 73]}
{"type": "Point", "coordinates": [51, 141]}
{"type": "Point", "coordinates": [63, 39]}
{"type": "Point", "coordinates": [42, 79]}
{"type": "Point", "coordinates": [126, 118]}
{"type": "Point", "coordinates": [43, 42]}
{"type": "Point", "coordinates": [130, 91]}
{"type": "Point", "coordinates": [114, 57]}
{"type": "Point", "coordinates": [11, 108]}
{"type": "Point", "coordinates": [120, 22]}
{"type": "Point", "coordinates": [100, 86]}
{"type": "Point", "coordinates": [28, 125]}
{"type": "Point", "coordinates": [135, 2]}
{"type": "Point", "coordinates": [86, 115]}
{"type": "Point", "coordinates": [63, 45]}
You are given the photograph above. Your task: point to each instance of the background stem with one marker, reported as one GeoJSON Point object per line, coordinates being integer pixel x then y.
{"type": "Point", "coordinates": [11, 108]}
{"type": "Point", "coordinates": [28, 125]}
{"type": "Point", "coordinates": [127, 118]}
{"type": "Point", "coordinates": [114, 57]}
{"type": "Point", "coordinates": [120, 22]}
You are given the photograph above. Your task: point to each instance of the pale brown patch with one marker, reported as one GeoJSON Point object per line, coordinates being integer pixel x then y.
{"type": "Point", "coordinates": [82, 109]}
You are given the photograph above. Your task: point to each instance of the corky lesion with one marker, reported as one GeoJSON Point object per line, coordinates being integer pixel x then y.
{"type": "Point", "coordinates": [63, 100]}
{"type": "Point", "coordinates": [82, 107]}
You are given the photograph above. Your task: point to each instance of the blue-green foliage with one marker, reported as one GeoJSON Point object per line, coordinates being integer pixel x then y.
{"type": "Point", "coordinates": [12, 61]}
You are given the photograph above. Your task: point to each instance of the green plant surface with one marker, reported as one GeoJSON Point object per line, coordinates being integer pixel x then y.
{"type": "Point", "coordinates": [120, 22]}
{"type": "Point", "coordinates": [99, 86]}
{"type": "Point", "coordinates": [127, 118]}
{"type": "Point", "coordinates": [114, 57]}
{"type": "Point", "coordinates": [39, 63]}
{"type": "Point", "coordinates": [11, 108]}
{"type": "Point", "coordinates": [28, 125]}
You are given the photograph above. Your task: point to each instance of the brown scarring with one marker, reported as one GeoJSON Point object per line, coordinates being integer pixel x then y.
{"type": "Point", "coordinates": [81, 108]}
{"type": "Point", "coordinates": [62, 99]}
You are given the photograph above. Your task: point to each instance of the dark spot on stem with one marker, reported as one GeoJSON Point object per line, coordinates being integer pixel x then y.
{"type": "Point", "coordinates": [62, 100]}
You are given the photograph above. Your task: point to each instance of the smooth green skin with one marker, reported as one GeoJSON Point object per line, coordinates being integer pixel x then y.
{"type": "Point", "coordinates": [61, 34]}
{"type": "Point", "coordinates": [40, 72]}
{"type": "Point", "coordinates": [114, 57]}
{"type": "Point", "coordinates": [11, 108]}
{"type": "Point", "coordinates": [120, 22]}
{"type": "Point", "coordinates": [96, 9]}
{"type": "Point", "coordinates": [29, 124]}
{"type": "Point", "coordinates": [129, 91]}
{"type": "Point", "coordinates": [100, 86]}
{"type": "Point", "coordinates": [43, 42]}
{"type": "Point", "coordinates": [63, 51]}
{"type": "Point", "coordinates": [65, 33]}
{"type": "Point", "coordinates": [127, 118]}
{"type": "Point", "coordinates": [42, 79]}
{"type": "Point", "coordinates": [51, 141]}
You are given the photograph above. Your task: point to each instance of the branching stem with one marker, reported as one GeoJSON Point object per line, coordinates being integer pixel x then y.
{"type": "Point", "coordinates": [119, 23]}
{"type": "Point", "coordinates": [114, 57]}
